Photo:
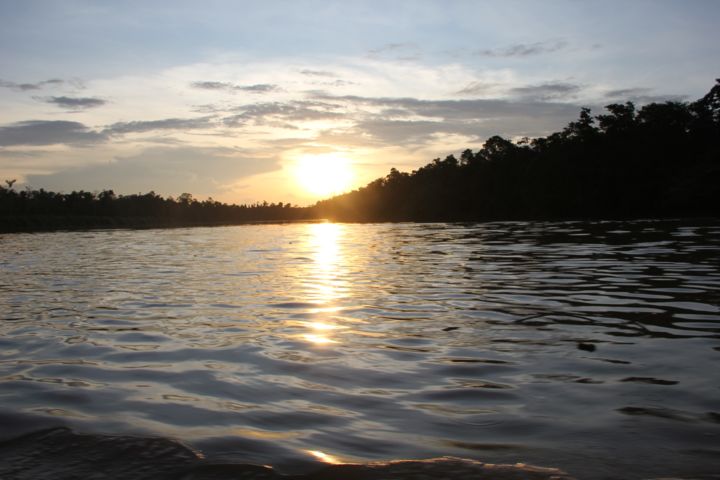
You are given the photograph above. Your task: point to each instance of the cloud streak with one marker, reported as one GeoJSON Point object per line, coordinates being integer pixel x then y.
{"type": "Point", "coordinates": [641, 95]}
{"type": "Point", "coordinates": [23, 87]}
{"type": "Point", "coordinates": [404, 121]}
{"type": "Point", "coordinates": [230, 87]}
{"type": "Point", "coordinates": [74, 103]}
{"type": "Point", "coordinates": [142, 126]}
{"type": "Point", "coordinates": [521, 50]}
{"type": "Point", "coordinates": [547, 91]}
{"type": "Point", "coordinates": [317, 73]}
{"type": "Point", "coordinates": [56, 132]}
{"type": "Point", "coordinates": [477, 88]}
{"type": "Point", "coordinates": [293, 111]}
{"type": "Point", "coordinates": [49, 132]}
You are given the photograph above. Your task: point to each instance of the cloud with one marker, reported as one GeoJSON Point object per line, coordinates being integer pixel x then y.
{"type": "Point", "coordinates": [402, 121]}
{"type": "Point", "coordinates": [399, 52]}
{"type": "Point", "coordinates": [392, 131]}
{"type": "Point", "coordinates": [258, 88]}
{"type": "Point", "coordinates": [325, 78]}
{"type": "Point", "coordinates": [525, 49]}
{"type": "Point", "coordinates": [339, 83]}
{"type": "Point", "coordinates": [641, 95]}
{"type": "Point", "coordinates": [74, 103]}
{"type": "Point", "coordinates": [294, 111]}
{"type": "Point", "coordinates": [477, 88]}
{"type": "Point", "coordinates": [453, 109]}
{"type": "Point", "coordinates": [211, 85]}
{"type": "Point", "coordinates": [141, 126]}
{"type": "Point", "coordinates": [627, 92]}
{"type": "Point", "coordinates": [51, 132]}
{"type": "Point", "coordinates": [547, 91]}
{"type": "Point", "coordinates": [166, 170]}
{"type": "Point", "coordinates": [317, 73]}
{"type": "Point", "coordinates": [230, 87]}
{"type": "Point", "coordinates": [30, 86]}
{"type": "Point", "coordinates": [48, 132]}
{"type": "Point", "coordinates": [391, 47]}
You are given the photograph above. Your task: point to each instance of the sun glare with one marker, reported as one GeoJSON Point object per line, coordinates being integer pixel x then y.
{"type": "Point", "coordinates": [324, 457]}
{"type": "Point", "coordinates": [325, 174]}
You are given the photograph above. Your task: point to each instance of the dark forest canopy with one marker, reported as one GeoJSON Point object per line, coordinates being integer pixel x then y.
{"type": "Point", "coordinates": [662, 160]}
{"type": "Point", "coordinates": [40, 210]}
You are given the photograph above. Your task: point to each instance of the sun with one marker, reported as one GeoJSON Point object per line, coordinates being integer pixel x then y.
{"type": "Point", "coordinates": [324, 174]}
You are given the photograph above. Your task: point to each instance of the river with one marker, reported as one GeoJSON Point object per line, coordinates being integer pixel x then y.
{"type": "Point", "coordinates": [590, 347]}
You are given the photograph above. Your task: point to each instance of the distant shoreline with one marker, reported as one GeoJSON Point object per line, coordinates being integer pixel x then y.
{"type": "Point", "coordinates": [49, 223]}
{"type": "Point", "coordinates": [42, 224]}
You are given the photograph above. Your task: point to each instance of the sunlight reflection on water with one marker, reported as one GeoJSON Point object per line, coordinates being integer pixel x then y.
{"type": "Point", "coordinates": [324, 273]}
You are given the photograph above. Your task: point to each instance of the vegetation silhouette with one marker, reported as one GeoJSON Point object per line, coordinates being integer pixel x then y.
{"type": "Point", "coordinates": [662, 160]}
{"type": "Point", "coordinates": [30, 210]}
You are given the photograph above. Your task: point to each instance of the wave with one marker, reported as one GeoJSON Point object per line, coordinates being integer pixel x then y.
{"type": "Point", "coordinates": [60, 453]}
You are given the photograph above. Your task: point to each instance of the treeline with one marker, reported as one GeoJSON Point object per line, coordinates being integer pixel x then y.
{"type": "Point", "coordinates": [41, 210]}
{"type": "Point", "coordinates": [662, 160]}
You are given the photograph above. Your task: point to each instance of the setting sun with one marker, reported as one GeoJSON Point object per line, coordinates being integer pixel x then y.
{"type": "Point", "coordinates": [324, 174]}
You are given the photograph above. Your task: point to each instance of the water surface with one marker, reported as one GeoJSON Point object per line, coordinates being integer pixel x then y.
{"type": "Point", "coordinates": [589, 347]}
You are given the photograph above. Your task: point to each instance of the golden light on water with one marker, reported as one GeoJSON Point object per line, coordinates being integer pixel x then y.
{"type": "Point", "coordinates": [324, 284]}
{"type": "Point", "coordinates": [263, 434]}
{"type": "Point", "coordinates": [322, 326]}
{"type": "Point", "coordinates": [324, 457]}
{"type": "Point", "coordinates": [324, 174]}
{"type": "Point", "coordinates": [318, 339]}
{"type": "Point", "coordinates": [321, 332]}
{"type": "Point", "coordinates": [327, 257]}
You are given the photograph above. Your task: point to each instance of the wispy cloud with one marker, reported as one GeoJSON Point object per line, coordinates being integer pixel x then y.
{"type": "Point", "coordinates": [23, 87]}
{"type": "Point", "coordinates": [74, 103]}
{"type": "Point", "coordinates": [141, 126]}
{"type": "Point", "coordinates": [293, 111]}
{"type": "Point", "coordinates": [49, 132]}
{"type": "Point", "coordinates": [525, 49]}
{"type": "Point", "coordinates": [55, 132]}
{"type": "Point", "coordinates": [399, 51]}
{"type": "Point", "coordinates": [641, 95]}
{"type": "Point", "coordinates": [390, 47]}
{"type": "Point", "coordinates": [547, 91]}
{"type": "Point", "coordinates": [467, 109]}
{"type": "Point", "coordinates": [404, 121]}
{"type": "Point", "coordinates": [317, 73]}
{"type": "Point", "coordinates": [230, 87]}
{"type": "Point", "coordinates": [477, 88]}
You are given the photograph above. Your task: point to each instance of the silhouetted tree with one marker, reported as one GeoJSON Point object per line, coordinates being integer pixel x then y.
{"type": "Point", "coordinates": [660, 160]}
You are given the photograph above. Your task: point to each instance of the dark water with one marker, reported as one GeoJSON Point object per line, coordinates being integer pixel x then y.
{"type": "Point", "coordinates": [593, 348]}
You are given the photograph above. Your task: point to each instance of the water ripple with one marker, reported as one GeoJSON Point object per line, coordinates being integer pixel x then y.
{"type": "Point", "coordinates": [567, 344]}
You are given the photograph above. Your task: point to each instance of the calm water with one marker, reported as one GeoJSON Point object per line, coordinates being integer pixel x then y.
{"type": "Point", "coordinates": [590, 347]}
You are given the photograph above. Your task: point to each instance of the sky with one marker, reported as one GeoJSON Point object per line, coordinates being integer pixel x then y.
{"type": "Point", "coordinates": [292, 101]}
